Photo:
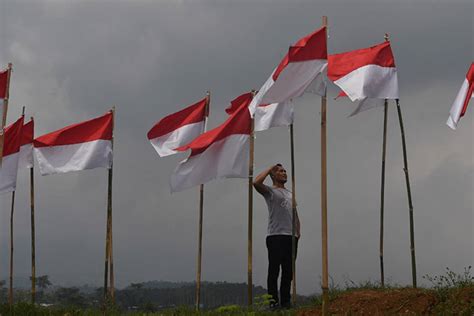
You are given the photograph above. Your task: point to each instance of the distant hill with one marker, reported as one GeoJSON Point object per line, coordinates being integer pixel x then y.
{"type": "Point", "coordinates": [162, 284]}
{"type": "Point", "coordinates": [162, 294]}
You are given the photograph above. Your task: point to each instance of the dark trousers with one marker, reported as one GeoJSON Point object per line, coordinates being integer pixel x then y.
{"type": "Point", "coordinates": [279, 254]}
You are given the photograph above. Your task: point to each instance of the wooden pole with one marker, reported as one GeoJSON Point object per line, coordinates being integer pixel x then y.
{"type": "Point", "coordinates": [382, 193]}
{"type": "Point", "coordinates": [293, 227]}
{"type": "Point", "coordinates": [10, 288]}
{"type": "Point", "coordinates": [5, 110]}
{"type": "Point", "coordinates": [382, 188]}
{"type": "Point", "coordinates": [109, 223]}
{"type": "Point", "coordinates": [111, 262]}
{"type": "Point", "coordinates": [250, 213]}
{"type": "Point", "coordinates": [324, 210]}
{"type": "Point", "coordinates": [410, 203]}
{"type": "Point", "coordinates": [33, 250]}
{"type": "Point", "coordinates": [111, 240]}
{"type": "Point", "coordinates": [201, 211]}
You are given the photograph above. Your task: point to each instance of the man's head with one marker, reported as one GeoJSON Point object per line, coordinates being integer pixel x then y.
{"type": "Point", "coordinates": [278, 174]}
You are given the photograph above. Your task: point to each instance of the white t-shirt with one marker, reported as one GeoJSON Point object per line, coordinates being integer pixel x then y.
{"type": "Point", "coordinates": [280, 214]}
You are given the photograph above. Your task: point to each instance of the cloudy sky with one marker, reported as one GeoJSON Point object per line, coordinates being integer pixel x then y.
{"type": "Point", "coordinates": [74, 60]}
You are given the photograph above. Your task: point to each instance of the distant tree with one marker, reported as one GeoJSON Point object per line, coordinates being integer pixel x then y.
{"type": "Point", "coordinates": [136, 286]}
{"type": "Point", "coordinates": [3, 291]}
{"type": "Point", "coordinates": [43, 282]}
{"type": "Point", "coordinates": [70, 296]}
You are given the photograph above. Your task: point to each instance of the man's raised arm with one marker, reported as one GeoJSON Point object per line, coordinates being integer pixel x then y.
{"type": "Point", "coordinates": [258, 182]}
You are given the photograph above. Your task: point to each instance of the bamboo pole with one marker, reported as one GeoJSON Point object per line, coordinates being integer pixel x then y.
{"type": "Point", "coordinates": [5, 110]}
{"type": "Point", "coordinates": [109, 222]}
{"type": "Point", "coordinates": [10, 288]}
{"type": "Point", "coordinates": [382, 193]}
{"type": "Point", "coordinates": [382, 189]}
{"type": "Point", "coordinates": [293, 226]}
{"type": "Point", "coordinates": [111, 248]}
{"type": "Point", "coordinates": [410, 203]}
{"type": "Point", "coordinates": [201, 211]}
{"type": "Point", "coordinates": [324, 210]}
{"type": "Point", "coordinates": [111, 262]}
{"type": "Point", "coordinates": [250, 212]}
{"type": "Point", "coordinates": [33, 250]}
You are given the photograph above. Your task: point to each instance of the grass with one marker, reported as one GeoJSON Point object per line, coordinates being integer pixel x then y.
{"type": "Point", "coordinates": [454, 293]}
{"type": "Point", "coordinates": [27, 309]}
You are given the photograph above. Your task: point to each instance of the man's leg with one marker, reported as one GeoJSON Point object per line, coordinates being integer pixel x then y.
{"type": "Point", "coordinates": [273, 266]}
{"type": "Point", "coordinates": [286, 271]}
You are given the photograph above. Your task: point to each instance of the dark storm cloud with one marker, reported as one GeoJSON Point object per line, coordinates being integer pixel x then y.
{"type": "Point", "coordinates": [75, 60]}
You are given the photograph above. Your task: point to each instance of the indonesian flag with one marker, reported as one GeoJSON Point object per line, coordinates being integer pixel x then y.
{"type": "Point", "coordinates": [26, 146]}
{"type": "Point", "coordinates": [301, 70]}
{"type": "Point", "coordinates": [3, 84]}
{"type": "Point", "coordinates": [11, 149]}
{"type": "Point", "coordinates": [81, 146]}
{"type": "Point", "coordinates": [364, 74]}
{"type": "Point", "coordinates": [273, 115]}
{"type": "Point", "coordinates": [222, 152]}
{"type": "Point", "coordinates": [266, 115]}
{"type": "Point", "coordinates": [459, 107]}
{"type": "Point", "coordinates": [3, 87]}
{"type": "Point", "coordinates": [178, 129]}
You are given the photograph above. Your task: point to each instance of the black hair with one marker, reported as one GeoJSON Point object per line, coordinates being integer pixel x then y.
{"type": "Point", "coordinates": [273, 170]}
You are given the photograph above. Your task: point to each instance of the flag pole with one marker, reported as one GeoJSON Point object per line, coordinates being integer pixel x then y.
{"type": "Point", "coordinates": [109, 221]}
{"type": "Point", "coordinates": [410, 203]}
{"type": "Point", "coordinates": [382, 187]}
{"type": "Point", "coordinates": [5, 109]}
{"type": "Point", "coordinates": [111, 259]}
{"type": "Point", "coordinates": [201, 209]}
{"type": "Point", "coordinates": [324, 210]}
{"type": "Point", "coordinates": [33, 251]}
{"type": "Point", "coordinates": [10, 288]}
{"type": "Point", "coordinates": [250, 211]}
{"type": "Point", "coordinates": [382, 193]}
{"type": "Point", "coordinates": [293, 228]}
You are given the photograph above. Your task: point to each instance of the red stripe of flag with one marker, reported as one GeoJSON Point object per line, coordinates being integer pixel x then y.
{"type": "Point", "coordinates": [94, 129]}
{"type": "Point", "coordinates": [310, 47]}
{"type": "Point", "coordinates": [470, 79]}
{"type": "Point", "coordinates": [342, 64]}
{"type": "Point", "coordinates": [3, 83]}
{"type": "Point", "coordinates": [238, 123]}
{"type": "Point", "coordinates": [192, 114]}
{"type": "Point", "coordinates": [12, 137]}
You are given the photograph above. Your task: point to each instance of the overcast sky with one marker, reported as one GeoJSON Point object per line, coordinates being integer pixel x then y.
{"type": "Point", "coordinates": [74, 60]}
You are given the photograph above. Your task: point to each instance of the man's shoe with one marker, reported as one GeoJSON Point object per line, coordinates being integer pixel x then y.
{"type": "Point", "coordinates": [274, 307]}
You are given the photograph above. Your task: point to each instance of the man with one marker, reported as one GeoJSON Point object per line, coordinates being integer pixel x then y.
{"type": "Point", "coordinates": [279, 237]}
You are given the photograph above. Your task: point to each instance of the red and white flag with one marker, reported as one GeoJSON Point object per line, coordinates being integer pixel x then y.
{"type": "Point", "coordinates": [3, 86]}
{"type": "Point", "coordinates": [222, 152]}
{"type": "Point", "coordinates": [363, 74]}
{"type": "Point", "coordinates": [4, 83]}
{"type": "Point", "coordinates": [301, 70]}
{"type": "Point", "coordinates": [81, 146]}
{"type": "Point", "coordinates": [11, 153]}
{"type": "Point", "coordinates": [179, 128]}
{"type": "Point", "coordinates": [26, 146]}
{"type": "Point", "coordinates": [459, 107]}
{"type": "Point", "coordinates": [273, 115]}
{"type": "Point", "coordinates": [266, 115]}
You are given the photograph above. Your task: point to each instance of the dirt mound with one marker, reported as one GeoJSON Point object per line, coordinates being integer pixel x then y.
{"type": "Point", "coordinates": [376, 302]}
{"type": "Point", "coordinates": [459, 302]}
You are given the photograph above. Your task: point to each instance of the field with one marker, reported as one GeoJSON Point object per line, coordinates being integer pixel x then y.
{"type": "Point", "coordinates": [365, 299]}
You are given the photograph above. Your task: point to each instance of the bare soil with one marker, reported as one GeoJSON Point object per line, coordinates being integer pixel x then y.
{"type": "Point", "coordinates": [404, 301]}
